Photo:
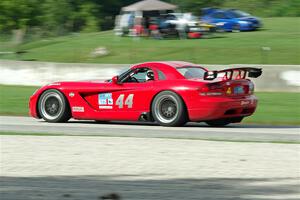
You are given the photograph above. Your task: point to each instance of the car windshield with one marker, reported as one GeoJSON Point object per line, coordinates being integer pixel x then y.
{"type": "Point", "coordinates": [238, 14]}
{"type": "Point", "coordinates": [192, 72]}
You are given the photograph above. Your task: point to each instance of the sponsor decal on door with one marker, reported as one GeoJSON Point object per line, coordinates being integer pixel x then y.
{"type": "Point", "coordinates": [105, 100]}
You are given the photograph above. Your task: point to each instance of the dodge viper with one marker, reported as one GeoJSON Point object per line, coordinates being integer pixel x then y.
{"type": "Point", "coordinates": [169, 93]}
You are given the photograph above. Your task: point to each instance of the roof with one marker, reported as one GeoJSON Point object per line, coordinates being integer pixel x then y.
{"type": "Point", "coordinates": [169, 68]}
{"type": "Point", "coordinates": [173, 64]}
{"type": "Point", "coordinates": [147, 5]}
{"type": "Point", "coordinates": [177, 64]}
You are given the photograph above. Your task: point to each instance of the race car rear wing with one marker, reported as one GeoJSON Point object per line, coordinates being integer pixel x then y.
{"type": "Point", "coordinates": [234, 73]}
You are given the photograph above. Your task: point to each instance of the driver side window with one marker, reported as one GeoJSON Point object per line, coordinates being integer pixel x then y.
{"type": "Point", "coordinates": [139, 75]}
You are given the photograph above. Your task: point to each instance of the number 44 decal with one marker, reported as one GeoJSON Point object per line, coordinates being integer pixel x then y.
{"type": "Point", "coordinates": [128, 101]}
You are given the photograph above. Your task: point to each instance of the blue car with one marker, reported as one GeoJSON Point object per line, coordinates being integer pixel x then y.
{"type": "Point", "coordinates": [230, 19]}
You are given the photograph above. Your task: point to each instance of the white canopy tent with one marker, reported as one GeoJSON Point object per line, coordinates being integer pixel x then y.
{"type": "Point", "coordinates": [139, 11]}
{"type": "Point", "coordinates": [149, 5]}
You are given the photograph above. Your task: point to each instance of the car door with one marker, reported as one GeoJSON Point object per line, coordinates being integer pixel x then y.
{"type": "Point", "coordinates": [221, 20]}
{"type": "Point", "coordinates": [130, 98]}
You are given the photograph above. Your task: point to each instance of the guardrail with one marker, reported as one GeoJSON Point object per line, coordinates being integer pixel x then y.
{"type": "Point", "coordinates": [274, 78]}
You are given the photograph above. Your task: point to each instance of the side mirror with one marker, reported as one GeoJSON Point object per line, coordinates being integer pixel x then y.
{"type": "Point", "coordinates": [115, 80]}
{"type": "Point", "coordinates": [210, 75]}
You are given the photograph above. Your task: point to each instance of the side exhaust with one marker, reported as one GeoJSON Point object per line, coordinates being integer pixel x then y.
{"type": "Point", "coordinates": [146, 117]}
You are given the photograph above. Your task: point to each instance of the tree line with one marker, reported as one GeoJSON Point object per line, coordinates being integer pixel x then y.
{"type": "Point", "coordinates": [58, 17]}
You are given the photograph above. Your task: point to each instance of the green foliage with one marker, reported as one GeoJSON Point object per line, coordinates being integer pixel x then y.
{"type": "Point", "coordinates": [266, 8]}
{"type": "Point", "coordinates": [57, 17]}
{"type": "Point", "coordinates": [195, 6]}
{"type": "Point", "coordinates": [262, 8]}
{"type": "Point", "coordinates": [18, 14]}
{"type": "Point", "coordinates": [88, 13]}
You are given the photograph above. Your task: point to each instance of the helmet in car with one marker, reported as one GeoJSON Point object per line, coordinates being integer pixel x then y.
{"type": "Point", "coordinates": [149, 75]}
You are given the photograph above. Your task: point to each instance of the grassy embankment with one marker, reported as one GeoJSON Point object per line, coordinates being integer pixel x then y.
{"type": "Point", "coordinates": [280, 34]}
{"type": "Point", "coordinates": [274, 107]}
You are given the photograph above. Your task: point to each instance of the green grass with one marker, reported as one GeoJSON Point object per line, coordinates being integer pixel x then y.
{"type": "Point", "coordinates": [274, 107]}
{"type": "Point", "coordinates": [282, 35]}
{"type": "Point", "coordinates": [14, 99]}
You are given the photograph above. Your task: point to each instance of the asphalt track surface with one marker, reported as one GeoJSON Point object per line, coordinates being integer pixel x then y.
{"type": "Point", "coordinates": [200, 131]}
{"type": "Point", "coordinates": [139, 161]}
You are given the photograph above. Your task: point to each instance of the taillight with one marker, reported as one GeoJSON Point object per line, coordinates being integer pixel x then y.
{"type": "Point", "coordinates": [214, 89]}
{"type": "Point", "coordinates": [204, 89]}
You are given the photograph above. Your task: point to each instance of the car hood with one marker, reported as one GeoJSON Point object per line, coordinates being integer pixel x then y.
{"type": "Point", "coordinates": [78, 84]}
{"type": "Point", "coordinates": [84, 82]}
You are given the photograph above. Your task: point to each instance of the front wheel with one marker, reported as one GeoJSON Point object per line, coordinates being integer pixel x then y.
{"type": "Point", "coordinates": [53, 106]}
{"type": "Point", "coordinates": [168, 109]}
{"type": "Point", "coordinates": [236, 28]}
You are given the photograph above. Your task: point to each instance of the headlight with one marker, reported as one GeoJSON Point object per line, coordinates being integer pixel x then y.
{"type": "Point", "coordinates": [220, 23]}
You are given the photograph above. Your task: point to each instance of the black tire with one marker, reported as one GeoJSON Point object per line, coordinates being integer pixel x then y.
{"type": "Point", "coordinates": [218, 122]}
{"type": "Point", "coordinates": [168, 109]}
{"type": "Point", "coordinates": [236, 28]}
{"type": "Point", "coordinates": [54, 107]}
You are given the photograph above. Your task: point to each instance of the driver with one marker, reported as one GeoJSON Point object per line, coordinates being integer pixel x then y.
{"type": "Point", "coordinates": [149, 75]}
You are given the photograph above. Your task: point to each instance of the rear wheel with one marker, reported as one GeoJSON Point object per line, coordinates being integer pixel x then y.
{"type": "Point", "coordinates": [53, 106]}
{"type": "Point", "coordinates": [168, 109]}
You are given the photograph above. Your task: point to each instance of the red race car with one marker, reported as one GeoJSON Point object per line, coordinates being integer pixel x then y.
{"type": "Point", "coordinates": [170, 93]}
